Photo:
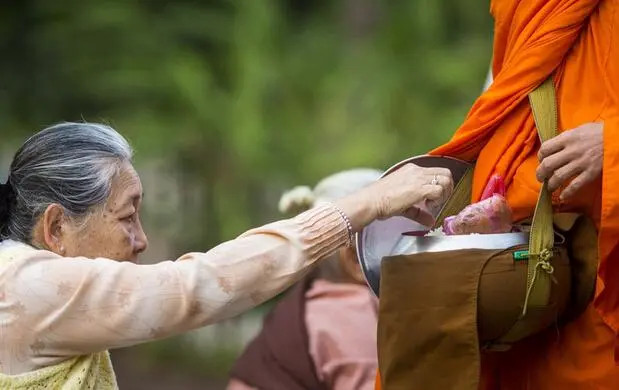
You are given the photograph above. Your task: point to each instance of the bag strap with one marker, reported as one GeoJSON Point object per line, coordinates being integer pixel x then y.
{"type": "Point", "coordinates": [541, 239]}
{"type": "Point", "coordinates": [459, 199]}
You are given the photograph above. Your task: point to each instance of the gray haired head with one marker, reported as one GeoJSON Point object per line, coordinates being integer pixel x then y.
{"type": "Point", "coordinates": [70, 164]}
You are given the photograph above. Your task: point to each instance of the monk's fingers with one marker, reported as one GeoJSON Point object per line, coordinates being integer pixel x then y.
{"type": "Point", "coordinates": [573, 187]}
{"type": "Point", "coordinates": [574, 154]}
{"type": "Point", "coordinates": [563, 174]}
{"type": "Point", "coordinates": [551, 146]}
{"type": "Point", "coordinates": [551, 163]}
{"type": "Point", "coordinates": [577, 184]}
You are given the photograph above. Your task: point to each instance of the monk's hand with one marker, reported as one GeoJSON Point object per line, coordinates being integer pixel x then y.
{"type": "Point", "coordinates": [574, 156]}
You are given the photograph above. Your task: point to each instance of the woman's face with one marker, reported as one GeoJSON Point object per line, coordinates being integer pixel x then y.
{"type": "Point", "coordinates": [114, 232]}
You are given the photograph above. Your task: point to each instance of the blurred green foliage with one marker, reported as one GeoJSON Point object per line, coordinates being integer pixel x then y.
{"type": "Point", "coordinates": [246, 98]}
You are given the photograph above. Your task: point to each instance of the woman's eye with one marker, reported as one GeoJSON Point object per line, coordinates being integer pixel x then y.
{"type": "Point", "coordinates": [129, 218]}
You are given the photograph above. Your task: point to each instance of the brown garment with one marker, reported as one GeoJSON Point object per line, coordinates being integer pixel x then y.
{"type": "Point", "coordinates": [279, 358]}
{"type": "Point", "coordinates": [428, 315]}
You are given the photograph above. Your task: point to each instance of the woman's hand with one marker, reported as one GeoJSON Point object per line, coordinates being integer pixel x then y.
{"type": "Point", "coordinates": [574, 156]}
{"type": "Point", "coordinates": [399, 193]}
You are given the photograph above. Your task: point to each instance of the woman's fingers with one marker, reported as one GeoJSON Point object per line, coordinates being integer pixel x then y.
{"type": "Point", "coordinates": [434, 192]}
{"type": "Point", "coordinates": [420, 215]}
{"type": "Point", "coordinates": [399, 192]}
{"type": "Point", "coordinates": [440, 173]}
{"type": "Point", "coordinates": [446, 182]}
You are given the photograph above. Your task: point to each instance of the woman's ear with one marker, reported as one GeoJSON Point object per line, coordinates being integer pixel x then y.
{"type": "Point", "coordinates": [51, 228]}
{"type": "Point", "coordinates": [350, 265]}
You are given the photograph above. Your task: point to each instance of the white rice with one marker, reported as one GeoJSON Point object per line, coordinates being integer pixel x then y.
{"type": "Point", "coordinates": [438, 232]}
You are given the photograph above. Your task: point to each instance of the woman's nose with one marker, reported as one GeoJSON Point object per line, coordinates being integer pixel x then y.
{"type": "Point", "coordinates": [141, 241]}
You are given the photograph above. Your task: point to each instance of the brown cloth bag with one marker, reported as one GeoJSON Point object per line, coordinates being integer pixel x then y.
{"type": "Point", "coordinates": [437, 309]}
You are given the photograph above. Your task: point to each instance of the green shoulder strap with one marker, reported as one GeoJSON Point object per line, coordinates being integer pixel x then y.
{"type": "Point", "coordinates": [541, 240]}
{"type": "Point", "coordinates": [459, 199]}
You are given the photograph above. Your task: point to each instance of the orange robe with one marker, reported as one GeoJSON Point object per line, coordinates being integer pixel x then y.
{"type": "Point", "coordinates": [578, 40]}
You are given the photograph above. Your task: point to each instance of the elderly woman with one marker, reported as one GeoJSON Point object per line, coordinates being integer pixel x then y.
{"type": "Point", "coordinates": [71, 287]}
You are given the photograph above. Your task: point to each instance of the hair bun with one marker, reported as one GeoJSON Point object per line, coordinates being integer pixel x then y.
{"type": "Point", "coordinates": [5, 200]}
{"type": "Point", "coordinates": [298, 199]}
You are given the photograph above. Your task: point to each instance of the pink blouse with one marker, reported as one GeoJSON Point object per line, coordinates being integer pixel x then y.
{"type": "Point", "coordinates": [341, 321]}
{"type": "Point", "coordinates": [53, 308]}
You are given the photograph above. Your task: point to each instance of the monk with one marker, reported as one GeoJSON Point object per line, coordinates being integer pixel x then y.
{"type": "Point", "coordinates": [577, 43]}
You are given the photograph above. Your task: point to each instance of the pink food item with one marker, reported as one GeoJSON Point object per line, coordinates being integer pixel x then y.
{"type": "Point", "coordinates": [490, 215]}
{"type": "Point", "coordinates": [495, 185]}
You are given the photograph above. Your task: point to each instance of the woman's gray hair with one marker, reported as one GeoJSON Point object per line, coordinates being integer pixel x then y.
{"type": "Point", "coordinates": [71, 164]}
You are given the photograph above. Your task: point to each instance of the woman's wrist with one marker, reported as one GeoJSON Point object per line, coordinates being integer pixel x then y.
{"type": "Point", "coordinates": [351, 233]}
{"type": "Point", "coordinates": [358, 209]}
